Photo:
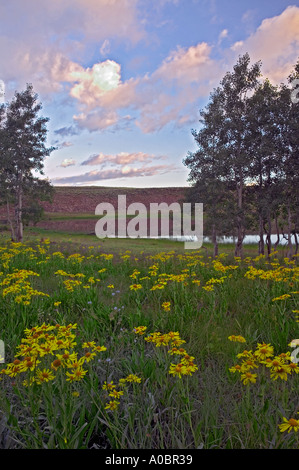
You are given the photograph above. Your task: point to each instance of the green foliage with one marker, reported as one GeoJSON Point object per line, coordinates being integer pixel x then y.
{"type": "Point", "coordinates": [22, 151]}
{"type": "Point", "coordinates": [247, 162]}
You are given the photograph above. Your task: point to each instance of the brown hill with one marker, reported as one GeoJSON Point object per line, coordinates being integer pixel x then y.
{"type": "Point", "coordinates": [73, 208]}
{"type": "Point", "coordinates": [83, 200]}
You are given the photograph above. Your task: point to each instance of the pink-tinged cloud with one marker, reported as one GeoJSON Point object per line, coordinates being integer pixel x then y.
{"type": "Point", "coordinates": [96, 120]}
{"type": "Point", "coordinates": [158, 99]}
{"type": "Point", "coordinates": [40, 48]}
{"type": "Point", "coordinates": [93, 20]}
{"type": "Point", "coordinates": [33, 32]}
{"type": "Point", "coordinates": [122, 158]}
{"type": "Point", "coordinates": [67, 162]}
{"type": "Point", "coordinates": [113, 173]}
{"type": "Point", "coordinates": [170, 93]}
{"type": "Point", "coordinates": [65, 144]}
{"type": "Point", "coordinates": [276, 43]}
{"type": "Point", "coordinates": [186, 65]}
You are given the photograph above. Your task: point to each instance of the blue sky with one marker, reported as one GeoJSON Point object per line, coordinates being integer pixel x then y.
{"type": "Point", "coordinates": [123, 81]}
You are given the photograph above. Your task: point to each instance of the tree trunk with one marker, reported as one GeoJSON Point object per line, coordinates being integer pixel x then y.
{"type": "Point", "coordinates": [261, 240]}
{"type": "Point", "coordinates": [240, 228]}
{"type": "Point", "coordinates": [269, 233]}
{"type": "Point", "coordinates": [290, 246]}
{"type": "Point", "coordinates": [19, 221]}
{"type": "Point", "coordinates": [277, 232]}
{"type": "Point", "coordinates": [214, 241]}
{"type": "Point", "coordinates": [12, 231]}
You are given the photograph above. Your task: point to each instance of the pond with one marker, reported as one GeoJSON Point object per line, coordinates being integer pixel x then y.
{"type": "Point", "coordinates": [249, 239]}
{"type": "Point", "coordinates": [252, 239]}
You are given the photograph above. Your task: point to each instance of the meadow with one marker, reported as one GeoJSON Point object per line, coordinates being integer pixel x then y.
{"type": "Point", "coordinates": [140, 344]}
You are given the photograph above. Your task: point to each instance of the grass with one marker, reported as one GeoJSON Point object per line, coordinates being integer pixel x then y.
{"type": "Point", "coordinates": [210, 408]}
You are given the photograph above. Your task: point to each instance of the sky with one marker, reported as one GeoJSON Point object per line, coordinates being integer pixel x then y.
{"type": "Point", "coordinates": [123, 81]}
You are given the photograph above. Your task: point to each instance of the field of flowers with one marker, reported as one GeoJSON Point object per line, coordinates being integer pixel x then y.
{"type": "Point", "coordinates": [139, 350]}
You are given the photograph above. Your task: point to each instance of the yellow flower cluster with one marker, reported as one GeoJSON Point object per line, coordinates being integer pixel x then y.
{"type": "Point", "coordinates": [164, 279]}
{"type": "Point", "coordinates": [218, 266]}
{"type": "Point", "coordinates": [238, 338]}
{"type": "Point", "coordinates": [140, 330]}
{"type": "Point", "coordinates": [106, 256]}
{"type": "Point", "coordinates": [135, 274]}
{"type": "Point", "coordinates": [281, 297]}
{"type": "Point", "coordinates": [47, 349]}
{"type": "Point", "coordinates": [58, 254]}
{"type": "Point", "coordinates": [60, 272]}
{"type": "Point", "coordinates": [166, 306]}
{"type": "Point", "coordinates": [280, 366]}
{"type": "Point", "coordinates": [280, 274]}
{"type": "Point", "coordinates": [135, 287]}
{"type": "Point", "coordinates": [110, 388]}
{"type": "Point", "coordinates": [172, 339]}
{"type": "Point", "coordinates": [9, 252]}
{"type": "Point", "coordinates": [216, 281]}
{"type": "Point", "coordinates": [18, 285]}
{"type": "Point", "coordinates": [70, 284]}
{"type": "Point", "coordinates": [76, 258]}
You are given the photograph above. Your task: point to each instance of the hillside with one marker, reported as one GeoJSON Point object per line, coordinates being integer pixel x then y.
{"type": "Point", "coordinates": [73, 208]}
{"type": "Point", "coordinates": [83, 200]}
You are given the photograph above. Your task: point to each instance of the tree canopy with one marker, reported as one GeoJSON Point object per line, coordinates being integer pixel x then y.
{"type": "Point", "coordinates": [23, 135]}
{"type": "Point", "coordinates": [248, 154]}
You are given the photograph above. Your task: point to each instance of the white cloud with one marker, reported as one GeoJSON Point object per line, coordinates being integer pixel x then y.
{"type": "Point", "coordinates": [237, 46]}
{"type": "Point", "coordinates": [92, 83]}
{"type": "Point", "coordinates": [222, 35]}
{"type": "Point", "coordinates": [67, 162]}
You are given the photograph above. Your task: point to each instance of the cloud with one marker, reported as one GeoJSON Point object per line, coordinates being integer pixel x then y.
{"type": "Point", "coordinates": [92, 83]}
{"type": "Point", "coordinates": [113, 173]}
{"type": "Point", "coordinates": [222, 35]}
{"type": "Point", "coordinates": [76, 20]}
{"type": "Point", "coordinates": [66, 131]}
{"type": "Point", "coordinates": [186, 74]}
{"type": "Point", "coordinates": [41, 65]}
{"type": "Point", "coordinates": [105, 48]}
{"type": "Point", "coordinates": [65, 144]}
{"type": "Point", "coordinates": [186, 65]}
{"type": "Point", "coordinates": [96, 120]}
{"type": "Point", "coordinates": [61, 145]}
{"type": "Point", "coordinates": [184, 77]}
{"type": "Point", "coordinates": [49, 48]}
{"type": "Point", "coordinates": [122, 158]}
{"type": "Point", "coordinates": [67, 162]}
{"type": "Point", "coordinates": [33, 32]}
{"type": "Point", "coordinates": [168, 95]}
{"type": "Point", "coordinates": [237, 46]}
{"type": "Point", "coordinates": [276, 43]}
